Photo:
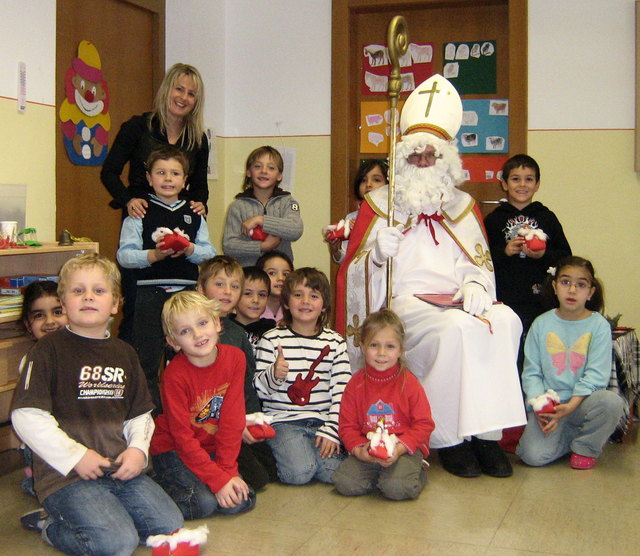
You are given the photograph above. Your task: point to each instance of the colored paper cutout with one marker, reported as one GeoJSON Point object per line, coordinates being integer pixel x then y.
{"type": "Point", "coordinates": [485, 126]}
{"type": "Point", "coordinates": [416, 64]}
{"type": "Point", "coordinates": [375, 128]}
{"type": "Point", "coordinates": [483, 168]}
{"type": "Point", "coordinates": [471, 66]}
{"type": "Point", "coordinates": [84, 113]}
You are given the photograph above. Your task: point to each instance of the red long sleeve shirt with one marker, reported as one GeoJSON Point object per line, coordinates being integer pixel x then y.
{"type": "Point", "coordinates": [203, 414]}
{"type": "Point", "coordinates": [398, 396]}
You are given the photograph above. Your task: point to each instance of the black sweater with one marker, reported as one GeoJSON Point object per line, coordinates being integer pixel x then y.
{"type": "Point", "coordinates": [133, 144]}
{"type": "Point", "coordinates": [519, 280]}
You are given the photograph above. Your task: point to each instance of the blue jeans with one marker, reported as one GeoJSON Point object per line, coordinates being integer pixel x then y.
{"type": "Point", "coordinates": [585, 431]}
{"type": "Point", "coordinates": [191, 495]}
{"type": "Point", "coordinates": [297, 458]}
{"type": "Point", "coordinates": [108, 516]}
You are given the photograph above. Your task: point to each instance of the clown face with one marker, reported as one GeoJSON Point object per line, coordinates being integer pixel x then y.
{"type": "Point", "coordinates": [89, 95]}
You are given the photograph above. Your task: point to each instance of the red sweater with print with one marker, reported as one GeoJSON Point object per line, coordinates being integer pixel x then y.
{"type": "Point", "coordinates": [396, 395]}
{"type": "Point", "coordinates": [203, 414]}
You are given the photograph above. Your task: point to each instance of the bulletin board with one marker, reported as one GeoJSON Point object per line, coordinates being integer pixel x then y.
{"type": "Point", "coordinates": [489, 52]}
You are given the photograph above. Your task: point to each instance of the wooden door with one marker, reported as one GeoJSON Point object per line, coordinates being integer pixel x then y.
{"type": "Point", "coordinates": [360, 22]}
{"type": "Point", "coordinates": [129, 37]}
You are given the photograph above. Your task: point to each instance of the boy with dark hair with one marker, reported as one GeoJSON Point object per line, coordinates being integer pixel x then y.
{"type": "Point", "coordinates": [303, 368]}
{"type": "Point", "coordinates": [252, 304]}
{"type": "Point", "coordinates": [162, 270]}
{"type": "Point", "coordinates": [520, 271]}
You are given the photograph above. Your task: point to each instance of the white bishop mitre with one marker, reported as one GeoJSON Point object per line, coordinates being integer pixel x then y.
{"type": "Point", "coordinates": [433, 107]}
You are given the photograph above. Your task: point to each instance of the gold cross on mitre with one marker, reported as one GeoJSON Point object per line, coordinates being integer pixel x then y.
{"type": "Point", "coordinates": [433, 107]}
{"type": "Point", "coordinates": [434, 89]}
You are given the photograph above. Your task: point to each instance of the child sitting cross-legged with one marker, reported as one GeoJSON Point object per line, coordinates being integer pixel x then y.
{"type": "Point", "coordinates": [252, 304]}
{"type": "Point", "coordinates": [221, 278]}
{"type": "Point", "coordinates": [385, 418]}
{"type": "Point", "coordinates": [83, 407]}
{"type": "Point", "coordinates": [198, 435]}
{"type": "Point", "coordinates": [302, 369]}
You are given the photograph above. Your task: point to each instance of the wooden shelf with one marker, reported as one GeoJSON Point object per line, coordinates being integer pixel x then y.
{"type": "Point", "coordinates": [45, 260]}
{"type": "Point", "coordinates": [8, 386]}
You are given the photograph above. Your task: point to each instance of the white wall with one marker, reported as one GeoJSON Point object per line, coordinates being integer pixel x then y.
{"type": "Point", "coordinates": [272, 60]}
{"type": "Point", "coordinates": [28, 34]}
{"type": "Point", "coordinates": [265, 62]}
{"type": "Point", "coordinates": [581, 64]}
{"type": "Point", "coordinates": [280, 53]}
{"type": "Point", "coordinates": [27, 140]}
{"type": "Point", "coordinates": [195, 34]}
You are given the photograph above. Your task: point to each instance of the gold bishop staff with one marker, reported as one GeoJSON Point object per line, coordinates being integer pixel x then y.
{"type": "Point", "coordinates": [398, 41]}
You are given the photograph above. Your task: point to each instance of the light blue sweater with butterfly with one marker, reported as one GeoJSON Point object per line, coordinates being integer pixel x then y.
{"type": "Point", "coordinates": [571, 357]}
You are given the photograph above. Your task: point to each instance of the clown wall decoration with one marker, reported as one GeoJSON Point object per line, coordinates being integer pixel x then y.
{"type": "Point", "coordinates": [84, 114]}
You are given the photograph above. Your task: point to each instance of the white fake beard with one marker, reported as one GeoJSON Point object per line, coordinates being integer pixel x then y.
{"type": "Point", "coordinates": [422, 190]}
{"type": "Point", "coordinates": [425, 190]}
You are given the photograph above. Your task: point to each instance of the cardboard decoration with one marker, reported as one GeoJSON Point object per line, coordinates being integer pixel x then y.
{"type": "Point", "coordinates": [471, 66]}
{"type": "Point", "coordinates": [483, 168]}
{"type": "Point", "coordinates": [84, 113]}
{"type": "Point", "coordinates": [416, 66]}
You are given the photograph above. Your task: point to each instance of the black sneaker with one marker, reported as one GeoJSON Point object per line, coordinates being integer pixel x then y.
{"type": "Point", "coordinates": [491, 458]}
{"type": "Point", "coordinates": [460, 460]}
{"type": "Point", "coordinates": [34, 520]}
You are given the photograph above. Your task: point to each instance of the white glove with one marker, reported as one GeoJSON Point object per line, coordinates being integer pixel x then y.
{"type": "Point", "coordinates": [475, 299]}
{"type": "Point", "coordinates": [387, 244]}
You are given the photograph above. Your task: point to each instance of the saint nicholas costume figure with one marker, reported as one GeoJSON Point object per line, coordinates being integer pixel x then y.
{"type": "Point", "coordinates": [464, 357]}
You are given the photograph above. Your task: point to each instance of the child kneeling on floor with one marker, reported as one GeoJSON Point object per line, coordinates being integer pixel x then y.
{"type": "Point", "coordinates": [83, 407]}
{"type": "Point", "coordinates": [385, 418]}
{"type": "Point", "coordinates": [198, 435]}
{"type": "Point", "coordinates": [302, 368]}
{"type": "Point", "coordinates": [568, 350]}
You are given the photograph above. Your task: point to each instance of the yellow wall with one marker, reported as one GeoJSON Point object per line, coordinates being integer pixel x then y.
{"type": "Point", "coordinates": [311, 189]}
{"type": "Point", "coordinates": [28, 156]}
{"type": "Point", "coordinates": [588, 180]}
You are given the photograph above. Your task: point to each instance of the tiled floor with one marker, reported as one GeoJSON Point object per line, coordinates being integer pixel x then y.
{"type": "Point", "coordinates": [552, 510]}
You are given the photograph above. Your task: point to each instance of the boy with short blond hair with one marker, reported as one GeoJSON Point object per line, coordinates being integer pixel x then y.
{"type": "Point", "coordinates": [83, 407]}
{"type": "Point", "coordinates": [161, 271]}
{"type": "Point", "coordinates": [222, 278]}
{"type": "Point", "coordinates": [198, 435]}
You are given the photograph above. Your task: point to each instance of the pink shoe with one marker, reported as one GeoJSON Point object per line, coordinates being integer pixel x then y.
{"type": "Point", "coordinates": [581, 462]}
